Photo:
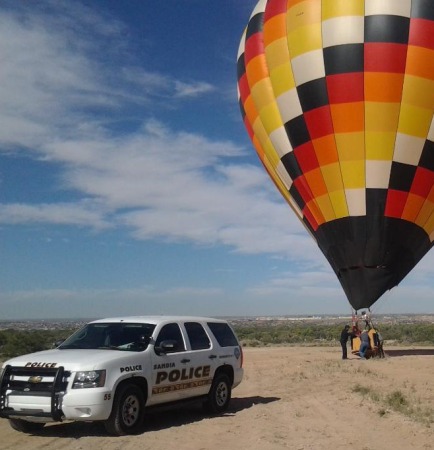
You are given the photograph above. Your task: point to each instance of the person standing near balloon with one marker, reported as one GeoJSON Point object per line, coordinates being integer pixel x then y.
{"type": "Point", "coordinates": [364, 344]}
{"type": "Point", "coordinates": [345, 334]}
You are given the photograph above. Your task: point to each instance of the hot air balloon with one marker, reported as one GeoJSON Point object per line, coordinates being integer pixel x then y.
{"type": "Point", "coordinates": [338, 99]}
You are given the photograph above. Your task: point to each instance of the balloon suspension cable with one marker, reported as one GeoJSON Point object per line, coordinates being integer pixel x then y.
{"type": "Point", "coordinates": [367, 319]}
{"type": "Point", "coordinates": [364, 321]}
{"type": "Point", "coordinates": [354, 321]}
{"type": "Point", "coordinates": [371, 322]}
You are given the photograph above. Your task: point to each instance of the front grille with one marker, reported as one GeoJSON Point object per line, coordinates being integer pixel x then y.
{"type": "Point", "coordinates": [30, 380]}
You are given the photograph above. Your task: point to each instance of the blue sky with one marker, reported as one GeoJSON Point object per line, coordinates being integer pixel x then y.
{"type": "Point", "coordinates": [128, 184]}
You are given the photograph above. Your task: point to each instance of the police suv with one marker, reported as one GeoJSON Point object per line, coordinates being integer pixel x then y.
{"type": "Point", "coordinates": [112, 369]}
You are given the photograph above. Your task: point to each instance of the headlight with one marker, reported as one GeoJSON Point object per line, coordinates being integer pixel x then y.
{"type": "Point", "coordinates": [89, 379]}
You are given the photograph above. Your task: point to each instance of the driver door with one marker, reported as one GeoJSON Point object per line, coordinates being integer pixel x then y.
{"type": "Point", "coordinates": [171, 366]}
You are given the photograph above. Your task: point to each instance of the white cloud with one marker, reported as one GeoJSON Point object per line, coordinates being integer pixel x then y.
{"type": "Point", "coordinates": [57, 74]}
{"type": "Point", "coordinates": [59, 103]}
{"type": "Point", "coordinates": [307, 282]}
{"type": "Point", "coordinates": [83, 214]}
{"type": "Point", "coordinates": [183, 187]}
{"type": "Point", "coordinates": [183, 89]}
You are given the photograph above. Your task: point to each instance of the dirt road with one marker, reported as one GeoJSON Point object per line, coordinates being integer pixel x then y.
{"type": "Point", "coordinates": [291, 398]}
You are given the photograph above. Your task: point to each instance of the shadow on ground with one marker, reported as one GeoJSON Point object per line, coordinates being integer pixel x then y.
{"type": "Point", "coordinates": [410, 352]}
{"type": "Point", "coordinates": [157, 419]}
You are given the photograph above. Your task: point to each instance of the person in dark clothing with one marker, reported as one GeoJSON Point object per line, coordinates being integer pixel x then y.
{"type": "Point", "coordinates": [379, 344]}
{"type": "Point", "coordinates": [345, 334]}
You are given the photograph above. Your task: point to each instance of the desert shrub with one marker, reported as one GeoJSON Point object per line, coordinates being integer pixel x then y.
{"type": "Point", "coordinates": [397, 401]}
{"type": "Point", "coordinates": [318, 334]}
{"type": "Point", "coordinates": [367, 392]}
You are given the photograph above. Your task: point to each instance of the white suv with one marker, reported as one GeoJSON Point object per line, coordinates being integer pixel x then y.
{"type": "Point", "coordinates": [112, 369]}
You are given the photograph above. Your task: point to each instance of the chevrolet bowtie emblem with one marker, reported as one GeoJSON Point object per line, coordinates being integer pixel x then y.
{"type": "Point", "coordinates": [35, 379]}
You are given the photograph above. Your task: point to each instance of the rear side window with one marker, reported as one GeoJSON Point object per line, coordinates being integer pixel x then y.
{"type": "Point", "coordinates": [199, 340]}
{"type": "Point", "coordinates": [223, 333]}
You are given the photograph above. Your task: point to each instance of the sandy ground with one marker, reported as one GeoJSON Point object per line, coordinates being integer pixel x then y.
{"type": "Point", "coordinates": [291, 398]}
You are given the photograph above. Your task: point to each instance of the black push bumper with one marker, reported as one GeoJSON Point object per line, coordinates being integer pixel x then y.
{"type": "Point", "coordinates": [35, 382]}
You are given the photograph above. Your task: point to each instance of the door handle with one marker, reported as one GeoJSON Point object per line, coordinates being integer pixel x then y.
{"type": "Point", "coordinates": [212, 356]}
{"type": "Point", "coordinates": [184, 361]}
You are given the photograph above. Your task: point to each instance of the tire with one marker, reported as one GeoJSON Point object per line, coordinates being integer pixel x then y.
{"type": "Point", "coordinates": [26, 427]}
{"type": "Point", "coordinates": [219, 395]}
{"type": "Point", "coordinates": [127, 412]}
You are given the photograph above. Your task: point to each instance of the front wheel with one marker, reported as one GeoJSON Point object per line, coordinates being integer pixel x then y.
{"type": "Point", "coordinates": [26, 427]}
{"type": "Point", "coordinates": [219, 395]}
{"type": "Point", "coordinates": [127, 412]}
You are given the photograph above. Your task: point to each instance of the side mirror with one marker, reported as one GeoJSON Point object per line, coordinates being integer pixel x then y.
{"type": "Point", "coordinates": [59, 342]}
{"type": "Point", "coordinates": [168, 346]}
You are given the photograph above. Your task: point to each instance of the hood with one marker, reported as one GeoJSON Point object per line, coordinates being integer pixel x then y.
{"type": "Point", "coordinates": [73, 360]}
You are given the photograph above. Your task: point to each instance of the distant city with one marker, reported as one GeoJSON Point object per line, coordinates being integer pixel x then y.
{"type": "Point", "coordinates": [72, 324]}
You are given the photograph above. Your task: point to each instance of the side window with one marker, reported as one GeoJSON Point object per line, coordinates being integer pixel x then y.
{"type": "Point", "coordinates": [224, 334]}
{"type": "Point", "coordinates": [171, 332]}
{"type": "Point", "coordinates": [199, 340]}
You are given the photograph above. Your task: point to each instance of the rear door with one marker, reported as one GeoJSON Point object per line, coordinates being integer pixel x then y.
{"type": "Point", "coordinates": [205, 355]}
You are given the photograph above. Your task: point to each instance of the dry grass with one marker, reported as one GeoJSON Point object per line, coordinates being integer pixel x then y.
{"type": "Point", "coordinates": [398, 402]}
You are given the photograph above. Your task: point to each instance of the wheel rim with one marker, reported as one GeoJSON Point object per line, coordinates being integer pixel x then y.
{"type": "Point", "coordinates": [130, 410]}
{"type": "Point", "coordinates": [222, 393]}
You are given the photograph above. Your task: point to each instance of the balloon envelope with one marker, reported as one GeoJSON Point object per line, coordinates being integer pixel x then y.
{"type": "Point", "coordinates": [338, 98]}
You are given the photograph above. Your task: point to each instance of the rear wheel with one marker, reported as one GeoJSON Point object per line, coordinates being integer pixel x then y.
{"type": "Point", "coordinates": [219, 395]}
{"type": "Point", "coordinates": [127, 412]}
{"type": "Point", "coordinates": [26, 427]}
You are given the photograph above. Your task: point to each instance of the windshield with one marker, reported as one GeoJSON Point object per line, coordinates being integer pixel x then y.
{"type": "Point", "coordinates": [133, 337]}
